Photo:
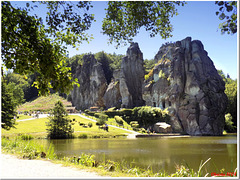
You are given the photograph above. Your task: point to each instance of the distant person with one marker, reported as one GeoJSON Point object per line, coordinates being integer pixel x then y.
{"type": "Point", "coordinates": [106, 127]}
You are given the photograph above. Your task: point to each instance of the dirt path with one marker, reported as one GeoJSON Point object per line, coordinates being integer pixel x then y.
{"type": "Point", "coordinates": [12, 167]}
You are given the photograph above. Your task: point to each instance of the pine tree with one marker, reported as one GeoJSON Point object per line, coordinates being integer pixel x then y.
{"type": "Point", "coordinates": [59, 123]}
{"type": "Point", "coordinates": [8, 108]}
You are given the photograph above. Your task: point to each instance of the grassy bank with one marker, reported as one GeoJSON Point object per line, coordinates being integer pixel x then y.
{"type": "Point", "coordinates": [43, 103]}
{"type": "Point", "coordinates": [37, 128]}
{"type": "Point", "coordinates": [31, 150]}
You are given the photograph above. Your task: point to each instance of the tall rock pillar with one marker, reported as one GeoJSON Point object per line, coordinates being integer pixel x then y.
{"type": "Point", "coordinates": [132, 77]}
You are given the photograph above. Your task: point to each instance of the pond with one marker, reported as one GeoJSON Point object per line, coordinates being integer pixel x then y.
{"type": "Point", "coordinates": [158, 153]}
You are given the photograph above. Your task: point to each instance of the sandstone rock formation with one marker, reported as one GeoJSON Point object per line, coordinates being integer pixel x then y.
{"type": "Point", "coordinates": [92, 82]}
{"type": "Point", "coordinates": [112, 96]}
{"type": "Point", "coordinates": [162, 127]}
{"type": "Point", "coordinates": [185, 80]}
{"type": "Point", "coordinates": [131, 77]}
{"type": "Point", "coordinates": [125, 90]}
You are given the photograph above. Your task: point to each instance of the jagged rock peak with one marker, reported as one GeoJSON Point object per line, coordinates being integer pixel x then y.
{"type": "Point", "coordinates": [134, 49]}
{"type": "Point", "coordinates": [131, 77]}
{"type": "Point", "coordinates": [92, 82]}
{"type": "Point", "coordinates": [185, 80]}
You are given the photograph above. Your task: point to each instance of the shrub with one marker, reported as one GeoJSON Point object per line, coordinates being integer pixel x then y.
{"type": "Point", "coordinates": [83, 136]}
{"type": "Point", "coordinates": [126, 112]}
{"type": "Point", "coordinates": [90, 113]}
{"type": "Point", "coordinates": [228, 123]}
{"type": "Point", "coordinates": [26, 137]}
{"type": "Point", "coordinates": [100, 122]}
{"type": "Point", "coordinates": [112, 109]}
{"type": "Point", "coordinates": [146, 77]}
{"type": "Point", "coordinates": [135, 125]}
{"type": "Point", "coordinates": [162, 74]}
{"type": "Point", "coordinates": [90, 124]}
{"type": "Point", "coordinates": [101, 116]}
{"type": "Point", "coordinates": [118, 119]}
{"type": "Point", "coordinates": [112, 113]}
{"type": "Point", "coordinates": [133, 122]}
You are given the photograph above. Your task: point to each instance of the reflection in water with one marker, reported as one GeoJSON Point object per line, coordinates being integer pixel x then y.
{"type": "Point", "coordinates": [159, 153]}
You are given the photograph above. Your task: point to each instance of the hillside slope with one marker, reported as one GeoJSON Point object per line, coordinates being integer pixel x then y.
{"type": "Point", "coordinates": [43, 103]}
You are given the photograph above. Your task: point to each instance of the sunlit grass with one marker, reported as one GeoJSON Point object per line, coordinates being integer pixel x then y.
{"type": "Point", "coordinates": [43, 103]}
{"type": "Point", "coordinates": [38, 127]}
{"type": "Point", "coordinates": [22, 116]}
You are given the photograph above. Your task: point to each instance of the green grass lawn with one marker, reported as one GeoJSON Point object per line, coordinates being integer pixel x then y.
{"type": "Point", "coordinates": [38, 127]}
{"type": "Point", "coordinates": [22, 116]}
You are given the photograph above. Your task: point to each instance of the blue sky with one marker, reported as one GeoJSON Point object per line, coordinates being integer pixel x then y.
{"type": "Point", "coordinates": [196, 19]}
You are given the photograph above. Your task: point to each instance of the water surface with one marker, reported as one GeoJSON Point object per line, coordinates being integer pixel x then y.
{"type": "Point", "coordinates": [158, 153]}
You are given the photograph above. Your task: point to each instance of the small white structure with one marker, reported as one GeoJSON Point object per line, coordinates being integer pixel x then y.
{"type": "Point", "coordinates": [162, 127]}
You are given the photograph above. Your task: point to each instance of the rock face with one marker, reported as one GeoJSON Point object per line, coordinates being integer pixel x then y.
{"type": "Point", "coordinates": [185, 80]}
{"type": "Point", "coordinates": [112, 96]}
{"type": "Point", "coordinates": [92, 82]}
{"type": "Point", "coordinates": [131, 77]}
{"type": "Point", "coordinates": [125, 90]}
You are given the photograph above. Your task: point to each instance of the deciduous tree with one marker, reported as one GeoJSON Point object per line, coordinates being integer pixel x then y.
{"type": "Point", "coordinates": [125, 18]}
{"type": "Point", "coordinates": [228, 14]}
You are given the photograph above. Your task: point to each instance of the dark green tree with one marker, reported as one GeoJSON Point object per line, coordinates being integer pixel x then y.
{"type": "Point", "coordinates": [125, 18]}
{"type": "Point", "coordinates": [148, 65]}
{"type": "Point", "coordinates": [104, 59]}
{"type": "Point", "coordinates": [231, 92]}
{"type": "Point", "coordinates": [16, 85]}
{"type": "Point", "coordinates": [228, 14]}
{"type": "Point", "coordinates": [59, 126]}
{"type": "Point", "coordinates": [8, 108]}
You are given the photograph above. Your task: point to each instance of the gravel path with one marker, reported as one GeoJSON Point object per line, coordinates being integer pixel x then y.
{"type": "Point", "coordinates": [12, 167]}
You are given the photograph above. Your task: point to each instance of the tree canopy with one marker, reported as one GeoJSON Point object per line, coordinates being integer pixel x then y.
{"type": "Point", "coordinates": [227, 13]}
{"type": "Point", "coordinates": [124, 19]}
{"type": "Point", "coordinates": [231, 92]}
{"type": "Point", "coordinates": [29, 46]}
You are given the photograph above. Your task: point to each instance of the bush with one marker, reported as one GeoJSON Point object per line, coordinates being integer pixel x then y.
{"type": "Point", "coordinates": [118, 119]}
{"type": "Point", "coordinates": [100, 122]}
{"type": "Point", "coordinates": [135, 125]}
{"type": "Point", "coordinates": [26, 137]}
{"type": "Point", "coordinates": [81, 124]}
{"type": "Point", "coordinates": [112, 113]}
{"type": "Point", "coordinates": [90, 113]}
{"type": "Point", "coordinates": [83, 136]}
{"type": "Point", "coordinates": [101, 116]}
{"type": "Point", "coordinates": [90, 124]}
{"type": "Point", "coordinates": [133, 122]}
{"type": "Point", "coordinates": [112, 109]}
{"type": "Point", "coordinates": [126, 112]}
{"type": "Point", "coordinates": [228, 123]}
